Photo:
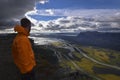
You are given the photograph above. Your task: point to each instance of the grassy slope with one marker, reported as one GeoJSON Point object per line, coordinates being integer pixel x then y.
{"type": "Point", "coordinates": [103, 55]}
{"type": "Point", "coordinates": [98, 54]}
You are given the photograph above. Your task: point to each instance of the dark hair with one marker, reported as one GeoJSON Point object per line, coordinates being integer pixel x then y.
{"type": "Point", "coordinates": [25, 22]}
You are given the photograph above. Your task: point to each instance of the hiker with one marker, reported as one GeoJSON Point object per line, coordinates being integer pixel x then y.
{"type": "Point", "coordinates": [22, 52]}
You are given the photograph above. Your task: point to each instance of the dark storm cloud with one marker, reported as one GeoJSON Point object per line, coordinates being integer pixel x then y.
{"type": "Point", "coordinates": [14, 9]}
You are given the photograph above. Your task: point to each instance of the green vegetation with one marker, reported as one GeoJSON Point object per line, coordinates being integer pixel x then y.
{"type": "Point", "coordinates": [103, 55]}
{"type": "Point", "coordinates": [109, 77]}
{"type": "Point", "coordinates": [99, 54]}
{"type": "Point", "coordinates": [88, 65]}
{"type": "Point", "coordinates": [57, 44]}
{"type": "Point", "coordinates": [66, 63]}
{"type": "Point", "coordinates": [106, 56]}
{"type": "Point", "coordinates": [77, 55]}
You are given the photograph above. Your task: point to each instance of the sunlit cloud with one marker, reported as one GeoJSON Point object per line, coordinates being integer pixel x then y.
{"type": "Point", "coordinates": [77, 20]}
{"type": "Point", "coordinates": [50, 11]}
{"type": "Point", "coordinates": [77, 24]}
{"type": "Point", "coordinates": [76, 12]}
{"type": "Point", "coordinates": [43, 1]}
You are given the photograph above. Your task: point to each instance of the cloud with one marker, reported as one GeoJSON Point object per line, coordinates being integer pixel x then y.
{"type": "Point", "coordinates": [68, 24]}
{"type": "Point", "coordinates": [76, 24]}
{"type": "Point", "coordinates": [11, 10]}
{"type": "Point", "coordinates": [43, 1]}
{"type": "Point", "coordinates": [75, 12]}
{"type": "Point", "coordinates": [75, 20]}
{"type": "Point", "coordinates": [79, 20]}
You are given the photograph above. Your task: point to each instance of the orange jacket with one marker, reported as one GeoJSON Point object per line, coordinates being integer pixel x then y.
{"type": "Point", "coordinates": [22, 51]}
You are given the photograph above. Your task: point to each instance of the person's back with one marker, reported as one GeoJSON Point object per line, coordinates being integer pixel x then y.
{"type": "Point", "coordinates": [22, 51]}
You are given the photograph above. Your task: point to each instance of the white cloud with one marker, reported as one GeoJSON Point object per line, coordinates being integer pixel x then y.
{"type": "Point", "coordinates": [77, 12]}
{"type": "Point", "coordinates": [74, 24]}
{"type": "Point", "coordinates": [33, 12]}
{"type": "Point", "coordinates": [69, 24]}
{"type": "Point", "coordinates": [50, 11]}
{"type": "Point", "coordinates": [43, 1]}
{"type": "Point", "coordinates": [78, 20]}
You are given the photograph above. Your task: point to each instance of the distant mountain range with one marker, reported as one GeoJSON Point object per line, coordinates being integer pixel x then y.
{"type": "Point", "coordinates": [110, 40]}
{"type": "Point", "coordinates": [99, 39]}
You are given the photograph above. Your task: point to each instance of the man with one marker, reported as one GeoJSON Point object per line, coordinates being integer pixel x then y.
{"type": "Point", "coordinates": [22, 52]}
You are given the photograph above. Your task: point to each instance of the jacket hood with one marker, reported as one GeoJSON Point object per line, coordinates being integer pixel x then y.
{"type": "Point", "coordinates": [21, 30]}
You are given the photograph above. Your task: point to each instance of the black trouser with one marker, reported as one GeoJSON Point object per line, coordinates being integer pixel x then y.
{"type": "Point", "coordinates": [28, 76]}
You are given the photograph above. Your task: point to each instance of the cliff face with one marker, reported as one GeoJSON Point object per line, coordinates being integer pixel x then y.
{"type": "Point", "coordinates": [5, 44]}
{"type": "Point", "coordinates": [7, 67]}
{"type": "Point", "coordinates": [8, 70]}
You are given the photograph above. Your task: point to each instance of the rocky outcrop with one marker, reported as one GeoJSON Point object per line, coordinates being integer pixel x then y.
{"type": "Point", "coordinates": [7, 67]}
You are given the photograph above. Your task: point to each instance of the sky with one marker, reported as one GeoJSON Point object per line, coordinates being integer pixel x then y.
{"type": "Point", "coordinates": [80, 4]}
{"type": "Point", "coordinates": [62, 15]}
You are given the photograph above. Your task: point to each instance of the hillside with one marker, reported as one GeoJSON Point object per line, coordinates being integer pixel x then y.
{"type": "Point", "coordinates": [97, 39]}
{"type": "Point", "coordinates": [100, 39]}
{"type": "Point", "coordinates": [48, 66]}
